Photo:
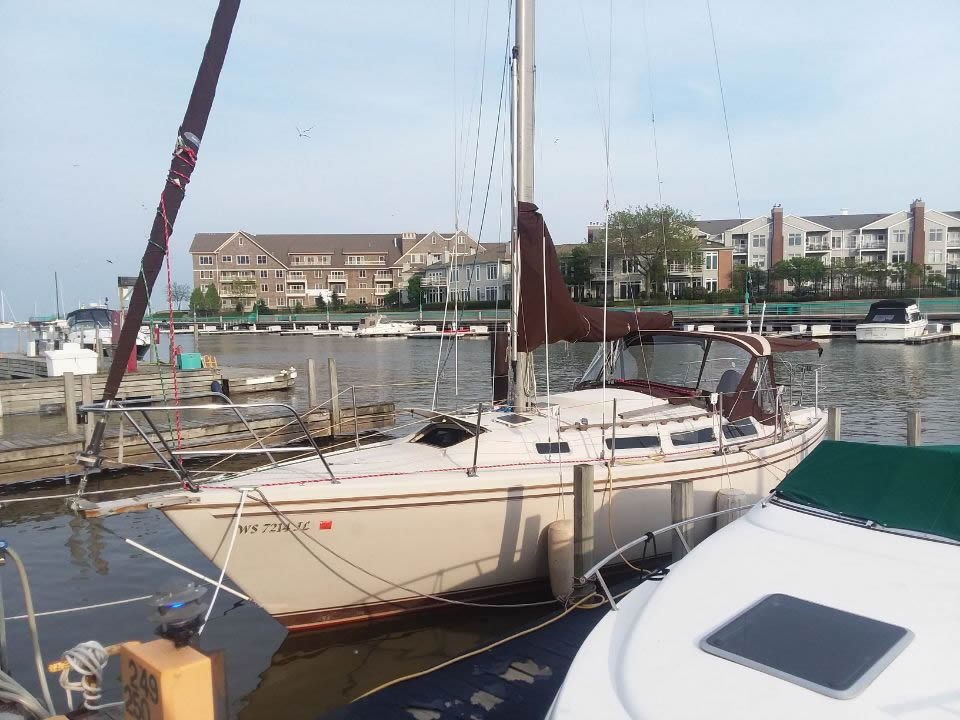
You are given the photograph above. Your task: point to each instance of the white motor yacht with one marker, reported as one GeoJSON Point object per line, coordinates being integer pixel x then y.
{"type": "Point", "coordinates": [891, 321]}
{"type": "Point", "coordinates": [838, 597]}
{"type": "Point", "coordinates": [88, 323]}
{"type": "Point", "coordinates": [377, 325]}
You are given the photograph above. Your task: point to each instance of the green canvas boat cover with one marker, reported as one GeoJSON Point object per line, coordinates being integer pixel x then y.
{"type": "Point", "coordinates": [895, 486]}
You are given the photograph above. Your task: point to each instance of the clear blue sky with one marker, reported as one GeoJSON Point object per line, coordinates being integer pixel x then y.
{"type": "Point", "coordinates": [831, 104]}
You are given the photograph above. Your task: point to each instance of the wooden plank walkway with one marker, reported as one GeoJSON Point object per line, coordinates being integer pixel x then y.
{"type": "Point", "coordinates": [31, 458]}
{"type": "Point", "coordinates": [514, 681]}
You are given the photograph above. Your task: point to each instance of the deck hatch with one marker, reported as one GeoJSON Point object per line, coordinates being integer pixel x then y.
{"type": "Point", "coordinates": [548, 448]}
{"type": "Point", "coordinates": [635, 442]}
{"type": "Point", "coordinates": [829, 651]}
{"type": "Point", "coordinates": [512, 419]}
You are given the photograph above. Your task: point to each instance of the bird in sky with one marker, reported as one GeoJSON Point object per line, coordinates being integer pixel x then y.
{"type": "Point", "coordinates": [304, 133]}
{"type": "Point", "coordinates": [110, 261]}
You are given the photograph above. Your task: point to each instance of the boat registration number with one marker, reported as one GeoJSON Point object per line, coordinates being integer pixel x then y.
{"type": "Point", "coordinates": [277, 527]}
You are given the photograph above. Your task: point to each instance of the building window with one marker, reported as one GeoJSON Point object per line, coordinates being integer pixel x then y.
{"type": "Point", "coordinates": [460, 240]}
{"type": "Point", "coordinates": [279, 287]}
{"type": "Point", "coordinates": [710, 260]}
{"type": "Point", "coordinates": [382, 259]}
{"type": "Point", "coordinates": [455, 274]}
{"type": "Point", "coordinates": [936, 235]}
{"type": "Point", "coordinates": [761, 262]}
{"type": "Point", "coordinates": [492, 271]}
{"type": "Point", "coordinates": [243, 259]}
{"type": "Point", "coordinates": [263, 274]}
{"type": "Point", "coordinates": [363, 300]}
{"type": "Point", "coordinates": [433, 240]}
{"type": "Point", "coordinates": [261, 259]}
{"type": "Point", "coordinates": [324, 260]}
{"type": "Point", "coordinates": [759, 240]}
{"type": "Point", "coordinates": [935, 256]}
{"type": "Point", "coordinates": [206, 274]}
{"type": "Point", "coordinates": [264, 288]}
{"type": "Point", "coordinates": [317, 274]}
{"type": "Point", "coordinates": [363, 273]}
{"type": "Point", "coordinates": [226, 259]}
{"type": "Point", "coordinates": [851, 241]}
{"type": "Point", "coordinates": [898, 257]}
{"type": "Point", "coordinates": [296, 274]}
{"type": "Point", "coordinates": [278, 273]}
{"type": "Point", "coordinates": [836, 242]}
{"type": "Point", "coordinates": [469, 274]}
{"type": "Point", "coordinates": [795, 239]}
{"type": "Point", "coordinates": [206, 259]}
{"type": "Point", "coordinates": [479, 294]}
{"type": "Point", "coordinates": [240, 241]}
{"type": "Point", "coordinates": [710, 285]}
{"type": "Point", "coordinates": [899, 236]}
{"type": "Point", "coordinates": [362, 286]}
{"type": "Point", "coordinates": [491, 293]}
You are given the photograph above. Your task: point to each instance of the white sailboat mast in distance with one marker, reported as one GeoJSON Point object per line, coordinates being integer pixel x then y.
{"type": "Point", "coordinates": [524, 69]}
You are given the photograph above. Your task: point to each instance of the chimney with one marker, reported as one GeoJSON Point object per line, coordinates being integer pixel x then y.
{"type": "Point", "coordinates": [919, 237]}
{"type": "Point", "coordinates": [844, 211]}
{"type": "Point", "coordinates": [777, 240]}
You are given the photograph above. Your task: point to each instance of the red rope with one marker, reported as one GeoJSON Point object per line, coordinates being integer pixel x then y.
{"type": "Point", "coordinates": [173, 358]}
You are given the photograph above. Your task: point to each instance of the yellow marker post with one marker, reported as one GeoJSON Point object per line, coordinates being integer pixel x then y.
{"type": "Point", "coordinates": [164, 682]}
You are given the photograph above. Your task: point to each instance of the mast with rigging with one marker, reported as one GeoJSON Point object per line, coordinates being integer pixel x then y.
{"type": "Point", "coordinates": [182, 165]}
{"type": "Point", "coordinates": [524, 70]}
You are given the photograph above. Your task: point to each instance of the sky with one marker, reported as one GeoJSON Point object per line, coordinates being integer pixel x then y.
{"type": "Point", "coordinates": [830, 105]}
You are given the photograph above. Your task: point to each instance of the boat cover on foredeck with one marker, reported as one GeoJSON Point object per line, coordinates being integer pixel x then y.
{"type": "Point", "coordinates": [895, 486]}
{"type": "Point", "coordinates": [564, 319]}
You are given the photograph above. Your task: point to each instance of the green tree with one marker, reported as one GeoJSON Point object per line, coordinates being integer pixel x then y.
{"type": "Point", "coordinates": [577, 269]}
{"type": "Point", "coordinates": [652, 234]}
{"type": "Point", "coordinates": [903, 274]}
{"type": "Point", "coordinates": [211, 300]}
{"type": "Point", "coordinates": [297, 307]}
{"type": "Point", "coordinates": [874, 273]}
{"type": "Point", "coordinates": [392, 298]}
{"type": "Point", "coordinates": [180, 293]}
{"type": "Point", "coordinates": [261, 307]}
{"type": "Point", "coordinates": [799, 271]}
{"type": "Point", "coordinates": [197, 303]}
{"type": "Point", "coordinates": [415, 290]}
{"type": "Point", "coordinates": [239, 307]}
{"type": "Point", "coordinates": [320, 303]}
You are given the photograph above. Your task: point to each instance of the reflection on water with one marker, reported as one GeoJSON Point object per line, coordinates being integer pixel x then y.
{"type": "Point", "coordinates": [76, 562]}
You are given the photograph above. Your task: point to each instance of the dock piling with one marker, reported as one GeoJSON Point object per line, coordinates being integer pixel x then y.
{"type": "Point", "coordinates": [334, 396]}
{"type": "Point", "coordinates": [86, 397]}
{"type": "Point", "coordinates": [582, 519]}
{"type": "Point", "coordinates": [914, 430]}
{"type": "Point", "coordinates": [312, 383]}
{"type": "Point", "coordinates": [681, 508]}
{"type": "Point", "coordinates": [70, 402]}
{"type": "Point", "coordinates": [98, 347]}
{"type": "Point", "coordinates": [833, 423]}
{"type": "Point", "coordinates": [196, 337]}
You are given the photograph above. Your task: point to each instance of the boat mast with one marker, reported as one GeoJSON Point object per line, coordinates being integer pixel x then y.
{"type": "Point", "coordinates": [523, 121]}
{"type": "Point", "coordinates": [56, 291]}
{"type": "Point", "coordinates": [182, 164]}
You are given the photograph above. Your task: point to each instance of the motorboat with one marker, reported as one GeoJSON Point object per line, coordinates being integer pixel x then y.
{"type": "Point", "coordinates": [377, 325]}
{"type": "Point", "coordinates": [891, 321]}
{"type": "Point", "coordinates": [92, 322]}
{"type": "Point", "coordinates": [430, 332]}
{"type": "Point", "coordinates": [836, 597]}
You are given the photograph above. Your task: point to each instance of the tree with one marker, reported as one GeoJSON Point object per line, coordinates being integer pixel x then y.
{"type": "Point", "coordinates": [652, 234]}
{"type": "Point", "coordinates": [180, 292]}
{"type": "Point", "coordinates": [392, 298]}
{"type": "Point", "coordinates": [197, 301]}
{"type": "Point", "coordinates": [902, 274]}
{"type": "Point", "coordinates": [211, 300]}
{"type": "Point", "coordinates": [298, 307]}
{"type": "Point", "coordinates": [799, 270]}
{"type": "Point", "coordinates": [577, 269]}
{"type": "Point", "coordinates": [239, 307]}
{"type": "Point", "coordinates": [415, 290]}
{"type": "Point", "coordinates": [320, 303]}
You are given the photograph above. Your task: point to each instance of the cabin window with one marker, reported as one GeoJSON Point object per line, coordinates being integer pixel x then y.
{"type": "Point", "coordinates": [738, 429]}
{"type": "Point", "coordinates": [694, 437]}
{"type": "Point", "coordinates": [637, 442]}
{"type": "Point", "coordinates": [549, 448]}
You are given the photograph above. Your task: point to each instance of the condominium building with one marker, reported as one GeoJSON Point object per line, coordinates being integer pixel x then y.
{"type": "Point", "coordinates": [283, 270]}
{"type": "Point", "coordinates": [919, 235]}
{"type": "Point", "coordinates": [481, 277]}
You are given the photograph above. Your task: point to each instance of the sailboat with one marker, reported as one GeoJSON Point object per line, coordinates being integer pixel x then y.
{"type": "Point", "coordinates": [4, 323]}
{"type": "Point", "coordinates": [457, 510]}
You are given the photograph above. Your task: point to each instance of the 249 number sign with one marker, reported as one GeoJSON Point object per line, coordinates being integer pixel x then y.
{"type": "Point", "coordinates": [141, 694]}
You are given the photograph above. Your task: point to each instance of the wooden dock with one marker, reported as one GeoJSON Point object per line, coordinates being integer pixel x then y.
{"type": "Point", "coordinates": [46, 394]}
{"type": "Point", "coordinates": [34, 458]}
{"type": "Point", "coordinates": [931, 338]}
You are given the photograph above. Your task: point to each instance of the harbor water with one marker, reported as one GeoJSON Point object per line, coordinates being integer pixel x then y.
{"type": "Point", "coordinates": [73, 561]}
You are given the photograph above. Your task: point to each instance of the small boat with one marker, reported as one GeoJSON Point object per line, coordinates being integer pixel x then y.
{"type": "Point", "coordinates": [836, 597]}
{"type": "Point", "coordinates": [430, 332]}
{"type": "Point", "coordinates": [377, 325]}
{"type": "Point", "coordinates": [891, 321]}
{"type": "Point", "coordinates": [87, 324]}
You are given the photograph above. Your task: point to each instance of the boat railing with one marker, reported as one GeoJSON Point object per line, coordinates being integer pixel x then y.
{"type": "Point", "coordinates": [171, 456]}
{"type": "Point", "coordinates": [594, 572]}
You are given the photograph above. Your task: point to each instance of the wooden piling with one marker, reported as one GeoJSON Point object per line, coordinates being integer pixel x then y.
{"type": "Point", "coordinates": [681, 508]}
{"type": "Point", "coordinates": [86, 397]}
{"type": "Point", "coordinates": [582, 519]}
{"type": "Point", "coordinates": [70, 402]}
{"type": "Point", "coordinates": [196, 338]}
{"type": "Point", "coordinates": [833, 423]}
{"type": "Point", "coordinates": [312, 383]}
{"type": "Point", "coordinates": [98, 348]}
{"type": "Point", "coordinates": [914, 431]}
{"type": "Point", "coordinates": [334, 396]}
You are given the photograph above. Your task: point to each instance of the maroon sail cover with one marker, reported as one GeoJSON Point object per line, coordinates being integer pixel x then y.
{"type": "Point", "coordinates": [565, 319]}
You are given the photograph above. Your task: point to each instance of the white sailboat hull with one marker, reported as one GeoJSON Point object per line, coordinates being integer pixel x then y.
{"type": "Point", "coordinates": [381, 543]}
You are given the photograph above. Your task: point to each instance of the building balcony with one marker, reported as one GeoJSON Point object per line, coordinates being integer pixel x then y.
{"type": "Point", "coordinates": [953, 240]}
{"type": "Point", "coordinates": [382, 290]}
{"type": "Point", "coordinates": [740, 249]}
{"type": "Point", "coordinates": [873, 245]}
{"type": "Point", "coordinates": [818, 247]}
{"type": "Point", "coordinates": [603, 275]}
{"type": "Point", "coordinates": [684, 268]}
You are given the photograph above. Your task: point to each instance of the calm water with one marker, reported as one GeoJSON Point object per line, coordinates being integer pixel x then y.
{"type": "Point", "coordinates": [77, 562]}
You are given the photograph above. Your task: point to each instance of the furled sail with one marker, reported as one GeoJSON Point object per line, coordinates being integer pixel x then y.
{"type": "Point", "coordinates": [565, 320]}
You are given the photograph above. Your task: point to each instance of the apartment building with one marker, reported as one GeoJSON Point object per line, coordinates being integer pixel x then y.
{"type": "Point", "coordinates": [919, 235]}
{"type": "Point", "coordinates": [470, 278]}
{"type": "Point", "coordinates": [283, 270]}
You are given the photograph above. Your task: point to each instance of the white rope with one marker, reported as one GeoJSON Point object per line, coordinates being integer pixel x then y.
{"type": "Point", "coordinates": [83, 607]}
{"type": "Point", "coordinates": [88, 659]}
{"type": "Point", "coordinates": [446, 303]}
{"type": "Point", "coordinates": [226, 560]}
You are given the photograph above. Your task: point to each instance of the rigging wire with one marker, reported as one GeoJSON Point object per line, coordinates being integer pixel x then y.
{"type": "Point", "coordinates": [723, 104]}
{"type": "Point", "coordinates": [606, 230]}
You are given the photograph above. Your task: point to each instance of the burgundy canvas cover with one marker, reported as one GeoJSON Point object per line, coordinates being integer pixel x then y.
{"type": "Point", "coordinates": [566, 320]}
